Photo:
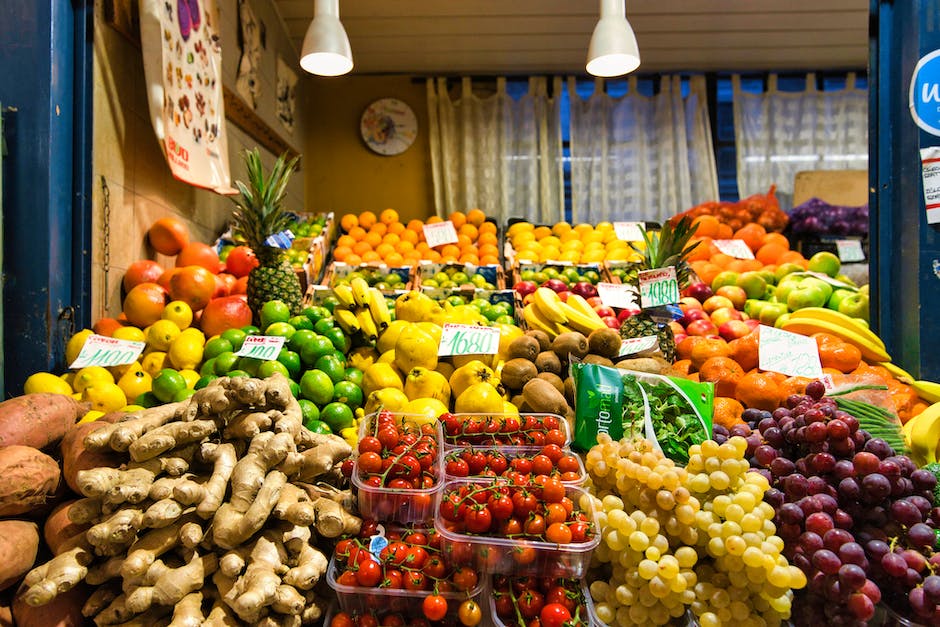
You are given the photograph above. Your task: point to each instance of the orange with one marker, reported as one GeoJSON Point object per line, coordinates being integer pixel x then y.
{"type": "Point", "coordinates": [346, 240]}
{"type": "Point", "coordinates": [371, 257]}
{"type": "Point", "coordinates": [388, 216]}
{"type": "Point", "coordinates": [724, 372]}
{"type": "Point", "coordinates": [353, 259]}
{"type": "Point", "coordinates": [106, 326]}
{"type": "Point", "coordinates": [357, 233]}
{"type": "Point", "coordinates": [488, 249]}
{"type": "Point", "coordinates": [469, 258]}
{"type": "Point", "coordinates": [373, 239]}
{"type": "Point", "coordinates": [367, 219]}
{"type": "Point", "coordinates": [744, 350]}
{"type": "Point", "coordinates": [194, 285]}
{"type": "Point", "coordinates": [396, 228]}
{"type": "Point", "coordinates": [489, 260]}
{"type": "Point", "coordinates": [684, 348]}
{"type": "Point", "coordinates": [411, 257]}
{"type": "Point", "coordinates": [432, 255]}
{"type": "Point", "coordinates": [759, 390]}
{"type": "Point", "coordinates": [724, 232]}
{"type": "Point", "coordinates": [708, 272]}
{"type": "Point", "coordinates": [141, 271]}
{"type": "Point", "coordinates": [541, 232]}
{"type": "Point", "coordinates": [164, 280]}
{"type": "Point", "coordinates": [487, 227]}
{"type": "Point", "coordinates": [391, 239]}
{"type": "Point", "coordinates": [777, 238]}
{"type": "Point", "coordinates": [449, 250]}
{"type": "Point", "coordinates": [348, 222]}
{"type": "Point", "coordinates": [702, 251]}
{"type": "Point", "coordinates": [384, 250]}
{"type": "Point", "coordinates": [753, 235]}
{"type": "Point", "coordinates": [362, 247]}
{"type": "Point", "coordinates": [221, 314]}
{"type": "Point", "coordinates": [727, 412]}
{"type": "Point", "coordinates": [702, 351]}
{"type": "Point", "coordinates": [168, 236]}
{"type": "Point", "coordinates": [707, 226]}
{"type": "Point", "coordinates": [792, 257]}
{"type": "Point", "coordinates": [409, 236]}
{"type": "Point", "coordinates": [487, 238]}
{"type": "Point", "coordinates": [463, 241]}
{"type": "Point", "coordinates": [144, 304]}
{"type": "Point", "coordinates": [770, 253]}
{"type": "Point", "coordinates": [379, 228]}
{"type": "Point", "coordinates": [434, 220]}
{"type": "Point", "coordinates": [422, 247]}
{"type": "Point", "coordinates": [404, 247]}
{"type": "Point", "coordinates": [470, 231]}
{"type": "Point", "coordinates": [721, 260]}
{"type": "Point", "coordinates": [842, 356]}
{"type": "Point", "coordinates": [340, 252]}
{"type": "Point", "coordinates": [476, 217]}
{"type": "Point", "coordinates": [682, 367]}
{"type": "Point", "coordinates": [199, 254]}
{"type": "Point", "coordinates": [458, 218]}
{"type": "Point", "coordinates": [736, 265]}
{"type": "Point", "coordinates": [416, 225]}
{"type": "Point", "coordinates": [794, 385]}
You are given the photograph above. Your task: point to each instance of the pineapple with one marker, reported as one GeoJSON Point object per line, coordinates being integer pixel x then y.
{"type": "Point", "coordinates": [258, 214]}
{"type": "Point", "coordinates": [666, 248]}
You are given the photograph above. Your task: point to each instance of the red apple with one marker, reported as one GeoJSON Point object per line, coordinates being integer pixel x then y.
{"type": "Point", "coordinates": [605, 312]}
{"type": "Point", "coordinates": [735, 294]}
{"type": "Point", "coordinates": [676, 327]}
{"type": "Point", "coordinates": [699, 291]}
{"type": "Point", "coordinates": [724, 314]}
{"type": "Point", "coordinates": [555, 285]}
{"type": "Point", "coordinates": [584, 289]}
{"type": "Point", "coordinates": [563, 296]}
{"type": "Point", "coordinates": [678, 337]}
{"type": "Point", "coordinates": [626, 313]}
{"type": "Point", "coordinates": [753, 323]}
{"type": "Point", "coordinates": [701, 327]}
{"type": "Point", "coordinates": [717, 302]}
{"type": "Point", "coordinates": [594, 301]}
{"type": "Point", "coordinates": [688, 302]}
{"type": "Point", "coordinates": [525, 287]}
{"type": "Point", "coordinates": [692, 315]}
{"type": "Point", "coordinates": [733, 329]}
{"type": "Point", "coordinates": [611, 322]}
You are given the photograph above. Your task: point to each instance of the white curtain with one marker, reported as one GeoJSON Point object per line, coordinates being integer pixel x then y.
{"type": "Point", "coordinates": [639, 157]}
{"type": "Point", "coordinates": [498, 154]}
{"type": "Point", "coordinates": [778, 134]}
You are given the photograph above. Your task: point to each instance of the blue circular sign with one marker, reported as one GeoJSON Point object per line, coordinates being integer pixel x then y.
{"type": "Point", "coordinates": [924, 97]}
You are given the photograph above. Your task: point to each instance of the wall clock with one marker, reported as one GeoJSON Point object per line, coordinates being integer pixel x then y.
{"type": "Point", "coordinates": [388, 126]}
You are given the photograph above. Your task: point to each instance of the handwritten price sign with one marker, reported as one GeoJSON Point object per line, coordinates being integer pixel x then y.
{"type": "Point", "coordinates": [468, 339]}
{"type": "Point", "coordinates": [99, 350]}
{"type": "Point", "coordinates": [620, 295]}
{"type": "Point", "coordinates": [849, 250]}
{"type": "Point", "coordinates": [788, 353]}
{"type": "Point", "coordinates": [440, 233]}
{"type": "Point", "coordinates": [736, 248]}
{"type": "Point", "coordinates": [264, 347]}
{"type": "Point", "coordinates": [658, 287]}
{"type": "Point", "coordinates": [638, 345]}
{"type": "Point", "coordinates": [629, 231]}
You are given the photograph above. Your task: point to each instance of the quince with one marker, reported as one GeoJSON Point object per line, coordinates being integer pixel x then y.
{"type": "Point", "coordinates": [415, 348]}
{"type": "Point", "coordinates": [424, 383]}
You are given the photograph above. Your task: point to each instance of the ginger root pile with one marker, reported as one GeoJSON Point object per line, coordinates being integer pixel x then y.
{"type": "Point", "coordinates": [212, 517]}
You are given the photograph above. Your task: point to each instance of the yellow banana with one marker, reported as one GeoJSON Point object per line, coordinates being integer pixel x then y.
{"type": "Point", "coordinates": [899, 373]}
{"type": "Point", "coordinates": [367, 325]}
{"type": "Point", "coordinates": [535, 320]}
{"type": "Point", "coordinates": [547, 302]}
{"type": "Point", "coordinates": [907, 428]}
{"type": "Point", "coordinates": [346, 320]}
{"type": "Point", "coordinates": [805, 326]}
{"type": "Point", "coordinates": [580, 321]}
{"type": "Point", "coordinates": [927, 390]}
{"type": "Point", "coordinates": [378, 307]}
{"type": "Point", "coordinates": [360, 290]}
{"type": "Point", "coordinates": [829, 315]}
{"type": "Point", "coordinates": [344, 294]}
{"type": "Point", "coordinates": [925, 434]}
{"type": "Point", "coordinates": [579, 303]}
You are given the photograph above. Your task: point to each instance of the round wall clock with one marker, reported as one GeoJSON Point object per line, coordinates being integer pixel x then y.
{"type": "Point", "coordinates": [388, 126]}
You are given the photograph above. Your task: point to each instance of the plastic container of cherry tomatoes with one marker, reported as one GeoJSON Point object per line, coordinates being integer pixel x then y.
{"type": "Point", "coordinates": [512, 452]}
{"type": "Point", "coordinates": [401, 505]}
{"type": "Point", "coordinates": [483, 440]}
{"type": "Point", "coordinates": [588, 620]}
{"type": "Point", "coordinates": [493, 554]}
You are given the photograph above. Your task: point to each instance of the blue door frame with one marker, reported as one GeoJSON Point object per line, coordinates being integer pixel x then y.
{"type": "Point", "coordinates": [45, 56]}
{"type": "Point", "coordinates": [905, 271]}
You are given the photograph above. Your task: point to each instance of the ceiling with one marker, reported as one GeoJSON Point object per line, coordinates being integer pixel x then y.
{"type": "Point", "coordinates": [551, 36]}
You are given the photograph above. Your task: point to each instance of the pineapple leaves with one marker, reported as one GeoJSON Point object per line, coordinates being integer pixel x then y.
{"type": "Point", "coordinates": [258, 212]}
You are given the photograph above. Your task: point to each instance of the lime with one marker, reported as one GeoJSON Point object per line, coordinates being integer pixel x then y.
{"type": "Point", "coordinates": [316, 386]}
{"type": "Point", "coordinates": [225, 362]}
{"type": "Point", "coordinates": [338, 338]}
{"type": "Point", "coordinates": [268, 368]}
{"type": "Point", "coordinates": [300, 338]}
{"type": "Point", "coordinates": [338, 416]}
{"type": "Point", "coordinates": [249, 365]}
{"type": "Point", "coordinates": [104, 396]}
{"type": "Point", "coordinates": [348, 393]}
{"type": "Point", "coordinates": [251, 329]}
{"type": "Point", "coordinates": [332, 366]}
{"type": "Point", "coordinates": [354, 375]}
{"type": "Point", "coordinates": [316, 313]}
{"type": "Point", "coordinates": [280, 329]}
{"type": "Point", "coordinates": [490, 313]}
{"type": "Point", "coordinates": [330, 303]}
{"type": "Point", "coordinates": [291, 361]}
{"type": "Point", "coordinates": [318, 426]}
{"type": "Point", "coordinates": [308, 409]}
{"type": "Point", "coordinates": [323, 325]}
{"type": "Point", "coordinates": [238, 373]}
{"type": "Point", "coordinates": [235, 337]}
{"type": "Point", "coordinates": [46, 382]}
{"type": "Point", "coordinates": [208, 367]}
{"type": "Point", "coordinates": [167, 383]}
{"type": "Point", "coordinates": [147, 400]}
{"type": "Point", "coordinates": [217, 346]}
{"type": "Point", "coordinates": [161, 333]}
{"type": "Point", "coordinates": [316, 348]}
{"type": "Point", "coordinates": [94, 374]}
{"type": "Point", "coordinates": [300, 322]}
{"type": "Point", "coordinates": [204, 380]}
{"type": "Point", "coordinates": [183, 394]}
{"type": "Point", "coordinates": [294, 388]}
{"type": "Point", "coordinates": [505, 319]}
{"type": "Point", "coordinates": [179, 313]}
{"type": "Point", "coordinates": [274, 311]}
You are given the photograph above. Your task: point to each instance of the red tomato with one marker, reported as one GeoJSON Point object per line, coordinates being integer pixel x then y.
{"type": "Point", "coordinates": [416, 538]}
{"type": "Point", "coordinates": [434, 607]}
{"type": "Point", "coordinates": [393, 579]}
{"type": "Point", "coordinates": [370, 443]}
{"type": "Point", "coordinates": [522, 465]}
{"type": "Point", "coordinates": [510, 424]}
{"type": "Point", "coordinates": [537, 438]}
{"type": "Point", "coordinates": [553, 491]}
{"type": "Point", "coordinates": [530, 603]}
{"type": "Point", "coordinates": [550, 422]}
{"type": "Point", "coordinates": [477, 462]}
{"type": "Point", "coordinates": [415, 580]}
{"type": "Point", "coordinates": [553, 452]}
{"type": "Point", "coordinates": [542, 465]}
{"type": "Point", "coordinates": [534, 525]}
{"type": "Point", "coordinates": [407, 467]}
{"type": "Point", "coordinates": [453, 507]}
{"type": "Point", "coordinates": [510, 527]}
{"type": "Point", "coordinates": [478, 519]}
{"type": "Point", "coordinates": [554, 615]}
{"type": "Point", "coordinates": [464, 578]}
{"type": "Point", "coordinates": [524, 503]}
{"type": "Point", "coordinates": [524, 555]}
{"type": "Point", "coordinates": [570, 476]}
{"type": "Point", "coordinates": [504, 604]}
{"type": "Point", "coordinates": [559, 533]}
{"type": "Point", "coordinates": [388, 436]}
{"type": "Point", "coordinates": [563, 596]}
{"type": "Point", "coordinates": [393, 620]}
{"type": "Point", "coordinates": [568, 463]}
{"type": "Point", "coordinates": [343, 548]}
{"type": "Point", "coordinates": [368, 620]}
{"type": "Point", "coordinates": [342, 619]}
{"type": "Point", "coordinates": [498, 463]}
{"type": "Point", "coordinates": [370, 463]}
{"type": "Point", "coordinates": [417, 557]}
{"type": "Point", "coordinates": [555, 436]}
{"type": "Point", "coordinates": [555, 513]}
{"type": "Point", "coordinates": [347, 578]}
{"type": "Point", "coordinates": [500, 507]}
{"type": "Point", "coordinates": [579, 531]}
{"type": "Point", "coordinates": [435, 567]}
{"type": "Point", "coordinates": [369, 573]}
{"type": "Point", "coordinates": [457, 468]}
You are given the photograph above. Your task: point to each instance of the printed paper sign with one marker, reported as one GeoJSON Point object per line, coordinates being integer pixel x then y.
{"type": "Point", "coordinates": [788, 353]}
{"type": "Point", "coordinates": [736, 248]}
{"type": "Point", "coordinates": [468, 339]}
{"type": "Point", "coordinates": [638, 345]}
{"type": "Point", "coordinates": [99, 350]}
{"type": "Point", "coordinates": [264, 347]}
{"type": "Point", "coordinates": [825, 278]}
{"type": "Point", "coordinates": [930, 171]}
{"type": "Point", "coordinates": [440, 233]}
{"type": "Point", "coordinates": [620, 295]}
{"type": "Point", "coordinates": [849, 250]}
{"type": "Point", "coordinates": [629, 231]}
{"type": "Point", "coordinates": [658, 287]}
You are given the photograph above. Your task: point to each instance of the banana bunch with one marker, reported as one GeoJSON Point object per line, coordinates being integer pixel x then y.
{"type": "Point", "coordinates": [362, 309]}
{"type": "Point", "coordinates": [548, 313]}
{"type": "Point", "coordinates": [822, 320]}
{"type": "Point", "coordinates": [927, 390]}
{"type": "Point", "coordinates": [922, 433]}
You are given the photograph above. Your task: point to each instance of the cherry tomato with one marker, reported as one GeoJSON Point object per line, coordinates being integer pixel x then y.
{"type": "Point", "coordinates": [416, 538]}
{"type": "Point", "coordinates": [524, 503]}
{"type": "Point", "coordinates": [347, 578]}
{"type": "Point", "coordinates": [553, 491]}
{"type": "Point", "coordinates": [521, 464]}
{"type": "Point", "coordinates": [465, 578]}
{"type": "Point", "coordinates": [537, 438]}
{"type": "Point", "coordinates": [343, 548]}
{"type": "Point", "coordinates": [388, 436]}
{"type": "Point", "coordinates": [510, 424]}
{"type": "Point", "coordinates": [553, 452]}
{"type": "Point", "coordinates": [393, 579]}
{"type": "Point", "coordinates": [393, 620]}
{"type": "Point", "coordinates": [534, 525]}
{"type": "Point", "coordinates": [369, 573]}
{"type": "Point", "coordinates": [568, 504]}
{"type": "Point", "coordinates": [530, 603]}
{"type": "Point", "coordinates": [555, 436]}
{"type": "Point", "coordinates": [469, 613]}
{"type": "Point", "coordinates": [415, 580]}
{"type": "Point", "coordinates": [563, 596]}
{"type": "Point", "coordinates": [370, 463]}
{"type": "Point", "coordinates": [435, 567]}
{"type": "Point", "coordinates": [524, 555]}
{"type": "Point", "coordinates": [400, 484]}
{"type": "Point", "coordinates": [347, 467]}
{"type": "Point", "coordinates": [559, 533]}
{"type": "Point", "coordinates": [569, 477]}
{"type": "Point", "coordinates": [342, 619]}
{"type": "Point", "coordinates": [511, 527]}
{"type": "Point", "coordinates": [434, 607]}
{"type": "Point", "coordinates": [549, 422]}
{"type": "Point", "coordinates": [375, 481]}
{"type": "Point", "coordinates": [568, 463]}
{"type": "Point", "coordinates": [504, 604]}
{"type": "Point", "coordinates": [370, 443]}
{"type": "Point", "coordinates": [457, 468]}
{"type": "Point", "coordinates": [500, 507]}
{"type": "Point", "coordinates": [542, 465]}
{"type": "Point", "coordinates": [453, 507]}
{"type": "Point", "coordinates": [498, 463]}
{"type": "Point", "coordinates": [368, 620]}
{"type": "Point", "coordinates": [554, 615]}
{"type": "Point", "coordinates": [477, 462]}
{"type": "Point", "coordinates": [555, 513]}
{"type": "Point", "coordinates": [579, 531]}
{"type": "Point", "coordinates": [478, 519]}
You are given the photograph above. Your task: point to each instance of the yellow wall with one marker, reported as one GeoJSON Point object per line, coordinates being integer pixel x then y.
{"type": "Point", "coordinates": [341, 173]}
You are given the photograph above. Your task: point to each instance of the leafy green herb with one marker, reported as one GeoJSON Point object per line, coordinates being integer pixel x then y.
{"type": "Point", "coordinates": [675, 422]}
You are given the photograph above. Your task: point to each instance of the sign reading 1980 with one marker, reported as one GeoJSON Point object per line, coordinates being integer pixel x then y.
{"type": "Point", "coordinates": [468, 339]}
{"type": "Point", "coordinates": [924, 97]}
{"type": "Point", "coordinates": [658, 287]}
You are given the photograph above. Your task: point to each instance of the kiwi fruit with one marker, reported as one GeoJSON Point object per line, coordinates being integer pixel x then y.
{"type": "Point", "coordinates": [542, 396]}
{"type": "Point", "coordinates": [545, 342]}
{"type": "Point", "coordinates": [517, 372]}
{"type": "Point", "coordinates": [519, 402]}
{"type": "Point", "coordinates": [569, 390]}
{"type": "Point", "coordinates": [554, 379]}
{"type": "Point", "coordinates": [605, 342]}
{"type": "Point", "coordinates": [547, 361]}
{"type": "Point", "coordinates": [570, 343]}
{"type": "Point", "coordinates": [597, 360]}
{"type": "Point", "coordinates": [523, 347]}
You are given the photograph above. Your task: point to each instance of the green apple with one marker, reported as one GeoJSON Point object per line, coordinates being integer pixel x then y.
{"type": "Point", "coordinates": [770, 293]}
{"type": "Point", "coordinates": [769, 276]}
{"type": "Point", "coordinates": [825, 262]}
{"type": "Point", "coordinates": [753, 284]}
{"type": "Point", "coordinates": [786, 268]}
{"type": "Point", "coordinates": [753, 307]}
{"type": "Point", "coordinates": [784, 287]}
{"type": "Point", "coordinates": [727, 277]}
{"type": "Point", "coordinates": [865, 289]}
{"type": "Point", "coordinates": [855, 306]}
{"type": "Point", "coordinates": [807, 294]}
{"type": "Point", "coordinates": [837, 296]}
{"type": "Point", "coordinates": [818, 283]}
{"type": "Point", "coordinates": [770, 312]}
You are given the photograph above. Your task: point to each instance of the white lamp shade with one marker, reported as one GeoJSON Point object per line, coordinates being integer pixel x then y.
{"type": "Point", "coordinates": [326, 50]}
{"type": "Point", "coordinates": [613, 50]}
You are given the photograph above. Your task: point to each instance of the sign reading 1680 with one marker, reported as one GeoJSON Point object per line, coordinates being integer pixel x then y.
{"type": "Point", "coordinates": [924, 97]}
{"type": "Point", "coordinates": [468, 339]}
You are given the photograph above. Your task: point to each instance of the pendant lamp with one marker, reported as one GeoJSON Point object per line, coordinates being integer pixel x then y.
{"type": "Point", "coordinates": [613, 50]}
{"type": "Point", "coordinates": [326, 50]}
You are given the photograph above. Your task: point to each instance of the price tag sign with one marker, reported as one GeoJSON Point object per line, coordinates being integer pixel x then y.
{"type": "Point", "coordinates": [825, 278]}
{"type": "Point", "coordinates": [658, 287]}
{"type": "Point", "coordinates": [788, 353]}
{"type": "Point", "coordinates": [736, 248]}
{"type": "Point", "coordinates": [621, 295]}
{"type": "Point", "coordinates": [440, 233]}
{"type": "Point", "coordinates": [100, 350]}
{"type": "Point", "coordinates": [629, 231]}
{"type": "Point", "coordinates": [638, 345]}
{"type": "Point", "coordinates": [468, 339]}
{"type": "Point", "coordinates": [264, 347]}
{"type": "Point", "coordinates": [849, 250]}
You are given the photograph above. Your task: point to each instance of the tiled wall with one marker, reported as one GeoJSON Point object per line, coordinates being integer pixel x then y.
{"type": "Point", "coordinates": [128, 157]}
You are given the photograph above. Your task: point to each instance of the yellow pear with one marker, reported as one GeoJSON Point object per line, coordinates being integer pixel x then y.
{"type": "Point", "coordinates": [424, 383]}
{"type": "Point", "coordinates": [388, 357]}
{"type": "Point", "coordinates": [386, 341]}
{"type": "Point", "coordinates": [414, 306]}
{"type": "Point", "coordinates": [392, 399]}
{"type": "Point", "coordinates": [473, 372]}
{"type": "Point", "coordinates": [362, 357]}
{"type": "Point", "coordinates": [415, 348]}
{"type": "Point", "coordinates": [510, 409]}
{"type": "Point", "coordinates": [479, 398]}
{"type": "Point", "coordinates": [431, 329]}
{"type": "Point", "coordinates": [424, 410]}
{"type": "Point", "coordinates": [445, 368]}
{"type": "Point", "coordinates": [378, 376]}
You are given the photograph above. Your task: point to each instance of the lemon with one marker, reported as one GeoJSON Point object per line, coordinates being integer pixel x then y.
{"type": "Point", "coordinates": [154, 362]}
{"type": "Point", "coordinates": [132, 334]}
{"type": "Point", "coordinates": [191, 377]}
{"type": "Point", "coordinates": [135, 381]}
{"type": "Point", "coordinates": [161, 333]}
{"type": "Point", "coordinates": [195, 334]}
{"type": "Point", "coordinates": [91, 415]}
{"type": "Point", "coordinates": [186, 352]}
{"type": "Point", "coordinates": [89, 375]}
{"type": "Point", "coordinates": [104, 396]}
{"type": "Point", "coordinates": [179, 313]}
{"type": "Point", "coordinates": [68, 377]}
{"type": "Point", "coordinates": [46, 382]}
{"type": "Point", "coordinates": [75, 343]}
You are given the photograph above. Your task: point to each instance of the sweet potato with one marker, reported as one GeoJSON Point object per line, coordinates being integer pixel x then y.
{"type": "Point", "coordinates": [6, 616]}
{"type": "Point", "coordinates": [63, 611]}
{"type": "Point", "coordinates": [28, 478]}
{"type": "Point", "coordinates": [38, 420]}
{"type": "Point", "coordinates": [19, 543]}
{"type": "Point", "coordinates": [76, 457]}
{"type": "Point", "coordinates": [58, 529]}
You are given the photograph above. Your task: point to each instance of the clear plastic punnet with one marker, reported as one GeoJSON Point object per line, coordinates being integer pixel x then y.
{"type": "Point", "coordinates": [489, 435]}
{"type": "Point", "coordinates": [588, 619]}
{"type": "Point", "coordinates": [510, 453]}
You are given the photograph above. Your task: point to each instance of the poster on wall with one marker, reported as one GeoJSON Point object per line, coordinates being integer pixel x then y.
{"type": "Point", "coordinates": [286, 94]}
{"type": "Point", "coordinates": [247, 82]}
{"type": "Point", "coordinates": [183, 68]}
